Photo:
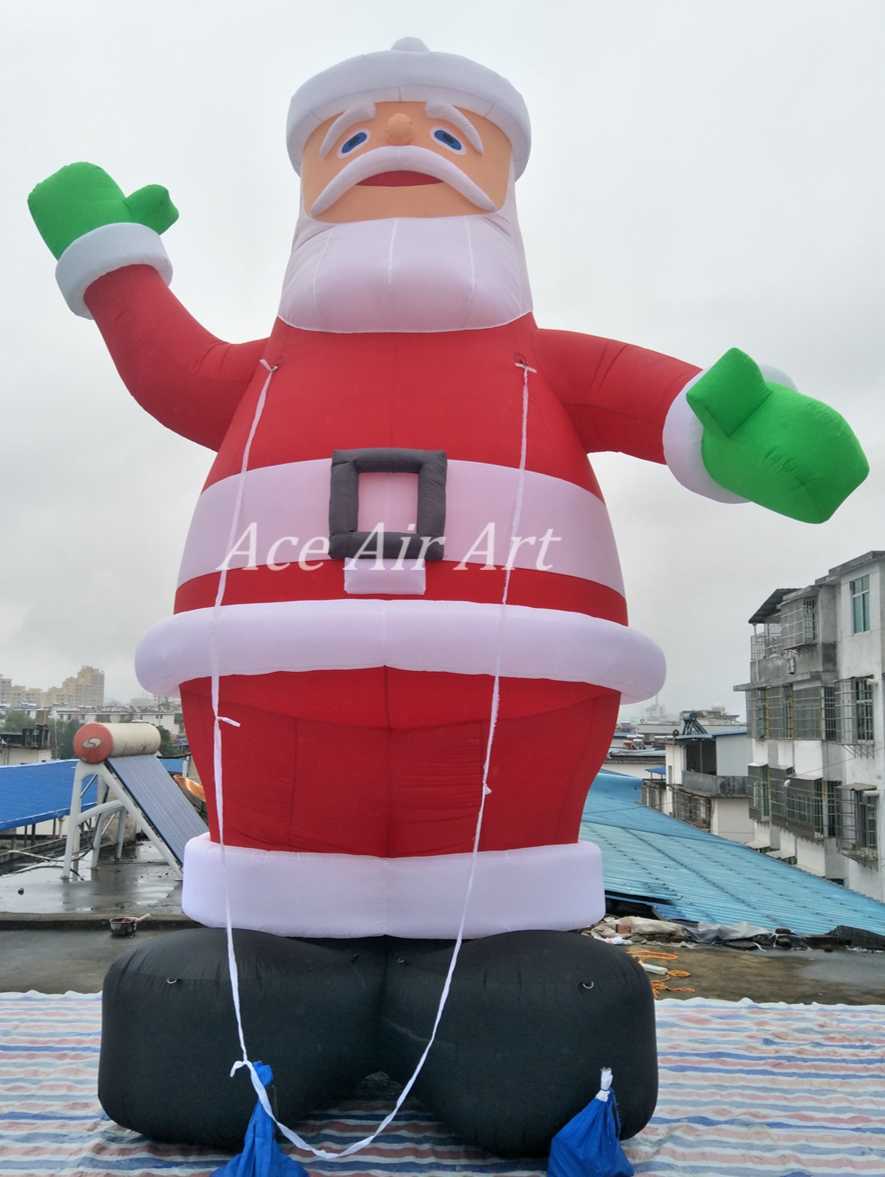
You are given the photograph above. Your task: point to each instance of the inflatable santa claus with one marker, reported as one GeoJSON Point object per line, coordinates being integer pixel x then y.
{"type": "Point", "coordinates": [400, 597]}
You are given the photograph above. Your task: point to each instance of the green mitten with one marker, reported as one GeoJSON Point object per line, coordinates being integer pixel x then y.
{"type": "Point", "coordinates": [771, 444]}
{"type": "Point", "coordinates": [81, 197]}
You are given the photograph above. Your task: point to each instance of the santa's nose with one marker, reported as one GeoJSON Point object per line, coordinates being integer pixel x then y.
{"type": "Point", "coordinates": [399, 130]}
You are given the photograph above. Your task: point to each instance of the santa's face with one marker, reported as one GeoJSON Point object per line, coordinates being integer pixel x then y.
{"type": "Point", "coordinates": [404, 159]}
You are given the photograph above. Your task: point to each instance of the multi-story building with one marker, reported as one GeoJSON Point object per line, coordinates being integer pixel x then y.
{"type": "Point", "coordinates": [816, 716]}
{"type": "Point", "coordinates": [28, 746]}
{"type": "Point", "coordinates": [83, 689]}
{"type": "Point", "coordinates": [705, 780]}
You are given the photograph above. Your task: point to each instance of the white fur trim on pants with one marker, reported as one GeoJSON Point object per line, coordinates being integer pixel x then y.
{"type": "Point", "coordinates": [351, 895]}
{"type": "Point", "coordinates": [110, 247]}
{"type": "Point", "coordinates": [456, 637]}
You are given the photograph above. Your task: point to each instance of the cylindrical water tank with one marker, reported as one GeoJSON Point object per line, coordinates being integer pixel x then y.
{"type": "Point", "coordinates": [95, 742]}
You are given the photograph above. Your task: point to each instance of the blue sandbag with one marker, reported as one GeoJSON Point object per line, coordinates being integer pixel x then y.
{"type": "Point", "coordinates": [589, 1144]}
{"type": "Point", "coordinates": [261, 1155]}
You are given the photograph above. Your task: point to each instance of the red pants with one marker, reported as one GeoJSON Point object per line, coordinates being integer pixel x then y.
{"type": "Point", "coordinates": [389, 763]}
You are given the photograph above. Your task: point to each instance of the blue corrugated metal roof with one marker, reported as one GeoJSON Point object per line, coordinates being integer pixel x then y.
{"type": "Point", "coordinates": [31, 793]}
{"type": "Point", "coordinates": [696, 876]}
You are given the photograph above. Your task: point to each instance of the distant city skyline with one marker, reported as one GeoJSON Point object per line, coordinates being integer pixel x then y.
{"type": "Point", "coordinates": [86, 688]}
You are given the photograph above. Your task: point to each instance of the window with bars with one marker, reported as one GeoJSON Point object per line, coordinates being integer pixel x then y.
{"type": "Point", "coordinates": [860, 836]}
{"type": "Point", "coordinates": [777, 790]}
{"type": "Point", "coordinates": [798, 625]}
{"type": "Point", "coordinates": [867, 823]}
{"type": "Point", "coordinates": [808, 807]}
{"type": "Point", "coordinates": [831, 713]}
{"type": "Point", "coordinates": [756, 713]}
{"type": "Point", "coordinates": [805, 807]}
{"type": "Point", "coordinates": [809, 619]}
{"type": "Point", "coordinates": [760, 798]}
{"type": "Point", "coordinates": [849, 715]}
{"type": "Point", "coordinates": [808, 712]}
{"type": "Point", "coordinates": [833, 791]}
{"type": "Point", "coordinates": [779, 713]}
{"type": "Point", "coordinates": [863, 710]}
{"type": "Point", "coordinates": [652, 795]}
{"type": "Point", "coordinates": [859, 590]}
{"type": "Point", "coordinates": [690, 808]}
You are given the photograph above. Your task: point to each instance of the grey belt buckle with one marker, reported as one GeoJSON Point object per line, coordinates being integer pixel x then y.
{"type": "Point", "coordinates": [427, 541]}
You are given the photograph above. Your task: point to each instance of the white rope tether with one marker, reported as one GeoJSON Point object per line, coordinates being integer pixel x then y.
{"type": "Point", "coordinates": [219, 720]}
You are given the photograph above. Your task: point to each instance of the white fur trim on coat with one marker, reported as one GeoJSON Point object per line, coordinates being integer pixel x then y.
{"type": "Point", "coordinates": [350, 895]}
{"type": "Point", "coordinates": [110, 247]}
{"type": "Point", "coordinates": [455, 637]}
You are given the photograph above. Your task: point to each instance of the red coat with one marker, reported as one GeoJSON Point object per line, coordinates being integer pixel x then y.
{"type": "Point", "coordinates": [387, 680]}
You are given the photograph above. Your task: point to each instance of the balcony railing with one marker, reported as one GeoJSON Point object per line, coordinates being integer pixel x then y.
{"type": "Point", "coordinates": [710, 785]}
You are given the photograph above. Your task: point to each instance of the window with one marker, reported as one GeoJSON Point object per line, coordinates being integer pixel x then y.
{"type": "Point", "coordinates": [756, 713]}
{"type": "Point", "coordinates": [860, 604]}
{"type": "Point", "coordinates": [865, 832]}
{"type": "Point", "coordinates": [809, 619]}
{"type": "Point", "coordinates": [807, 712]}
{"type": "Point", "coordinates": [696, 811]}
{"type": "Point", "coordinates": [700, 756]}
{"type": "Point", "coordinates": [760, 802]}
{"type": "Point", "coordinates": [777, 790]}
{"type": "Point", "coordinates": [804, 807]}
{"type": "Point", "coordinates": [779, 708]}
{"type": "Point", "coordinates": [834, 809]}
{"type": "Point", "coordinates": [798, 623]}
{"type": "Point", "coordinates": [831, 714]}
{"type": "Point", "coordinates": [863, 710]}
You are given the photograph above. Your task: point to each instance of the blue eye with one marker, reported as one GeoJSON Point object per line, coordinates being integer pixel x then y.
{"type": "Point", "coordinates": [448, 139]}
{"type": "Point", "coordinates": [357, 139]}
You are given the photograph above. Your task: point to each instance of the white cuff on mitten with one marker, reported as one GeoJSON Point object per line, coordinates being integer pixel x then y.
{"type": "Point", "coordinates": [110, 247]}
{"type": "Point", "coordinates": [683, 436]}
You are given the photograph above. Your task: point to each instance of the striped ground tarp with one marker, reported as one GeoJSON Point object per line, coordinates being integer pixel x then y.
{"type": "Point", "coordinates": [777, 1090]}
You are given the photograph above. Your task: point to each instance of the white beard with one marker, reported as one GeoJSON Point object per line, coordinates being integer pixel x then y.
{"type": "Point", "coordinates": [407, 273]}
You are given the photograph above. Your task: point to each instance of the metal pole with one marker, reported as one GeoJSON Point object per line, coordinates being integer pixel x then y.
{"type": "Point", "coordinates": [72, 842]}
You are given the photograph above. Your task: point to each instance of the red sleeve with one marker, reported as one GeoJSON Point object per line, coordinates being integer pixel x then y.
{"type": "Point", "coordinates": [617, 395]}
{"type": "Point", "coordinates": [185, 377]}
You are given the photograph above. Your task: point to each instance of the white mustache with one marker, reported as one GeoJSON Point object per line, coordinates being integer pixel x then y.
{"type": "Point", "coordinates": [400, 159]}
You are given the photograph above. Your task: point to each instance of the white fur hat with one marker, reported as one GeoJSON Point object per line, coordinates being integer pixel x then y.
{"type": "Point", "coordinates": [409, 72]}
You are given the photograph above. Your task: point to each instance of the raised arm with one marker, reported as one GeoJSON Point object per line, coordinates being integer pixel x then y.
{"type": "Point", "coordinates": [733, 432]}
{"type": "Point", "coordinates": [112, 267]}
{"type": "Point", "coordinates": [182, 374]}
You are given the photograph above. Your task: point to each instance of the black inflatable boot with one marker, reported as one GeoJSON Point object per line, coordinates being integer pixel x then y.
{"type": "Point", "coordinates": [310, 1009]}
{"type": "Point", "coordinates": [531, 1020]}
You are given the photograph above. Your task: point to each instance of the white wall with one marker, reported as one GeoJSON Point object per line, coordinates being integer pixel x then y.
{"type": "Point", "coordinates": [733, 754]}
{"type": "Point", "coordinates": [863, 879]}
{"type": "Point", "coordinates": [730, 818]}
{"type": "Point", "coordinates": [811, 856]}
{"type": "Point", "coordinates": [674, 761]}
{"type": "Point", "coordinates": [24, 755]}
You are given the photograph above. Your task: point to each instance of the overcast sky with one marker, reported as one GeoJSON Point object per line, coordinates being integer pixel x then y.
{"type": "Point", "coordinates": [704, 174]}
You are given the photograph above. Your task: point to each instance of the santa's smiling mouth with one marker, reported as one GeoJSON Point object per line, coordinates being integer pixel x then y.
{"type": "Point", "coordinates": [399, 179]}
